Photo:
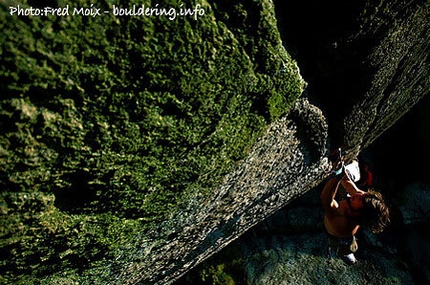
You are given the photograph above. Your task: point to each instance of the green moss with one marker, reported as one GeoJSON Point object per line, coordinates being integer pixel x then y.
{"type": "Point", "coordinates": [109, 124]}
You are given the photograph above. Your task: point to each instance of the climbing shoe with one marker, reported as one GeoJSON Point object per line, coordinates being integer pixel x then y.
{"type": "Point", "coordinates": [349, 259]}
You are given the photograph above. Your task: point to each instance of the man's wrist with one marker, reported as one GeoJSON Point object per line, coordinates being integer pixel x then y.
{"type": "Point", "coordinates": [340, 172]}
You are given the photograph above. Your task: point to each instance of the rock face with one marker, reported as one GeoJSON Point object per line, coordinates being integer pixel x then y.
{"type": "Point", "coordinates": [360, 62]}
{"type": "Point", "coordinates": [382, 57]}
{"type": "Point", "coordinates": [109, 124]}
{"type": "Point", "coordinates": [385, 61]}
{"type": "Point", "coordinates": [246, 196]}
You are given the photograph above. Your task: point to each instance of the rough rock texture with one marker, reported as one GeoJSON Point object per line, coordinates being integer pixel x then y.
{"type": "Point", "coordinates": [360, 61]}
{"type": "Point", "coordinates": [398, 65]}
{"type": "Point", "coordinates": [246, 196]}
{"type": "Point", "coordinates": [109, 123]}
{"type": "Point", "coordinates": [390, 50]}
{"type": "Point", "coordinates": [280, 260]}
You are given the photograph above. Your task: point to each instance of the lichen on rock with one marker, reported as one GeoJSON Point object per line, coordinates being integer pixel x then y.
{"type": "Point", "coordinates": [110, 125]}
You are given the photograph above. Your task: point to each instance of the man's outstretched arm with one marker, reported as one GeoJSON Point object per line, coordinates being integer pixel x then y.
{"type": "Point", "coordinates": [328, 193]}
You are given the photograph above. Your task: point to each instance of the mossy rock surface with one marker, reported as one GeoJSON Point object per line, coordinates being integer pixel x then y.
{"type": "Point", "coordinates": [109, 124]}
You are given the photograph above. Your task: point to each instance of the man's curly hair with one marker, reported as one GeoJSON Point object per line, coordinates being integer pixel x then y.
{"type": "Point", "coordinates": [375, 214]}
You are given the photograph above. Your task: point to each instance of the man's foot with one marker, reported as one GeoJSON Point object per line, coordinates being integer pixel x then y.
{"type": "Point", "coordinates": [349, 259]}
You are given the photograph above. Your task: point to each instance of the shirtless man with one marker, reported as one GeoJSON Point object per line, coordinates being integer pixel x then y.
{"type": "Point", "coordinates": [342, 219]}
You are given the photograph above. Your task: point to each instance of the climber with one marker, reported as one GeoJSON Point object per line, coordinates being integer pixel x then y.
{"type": "Point", "coordinates": [343, 219]}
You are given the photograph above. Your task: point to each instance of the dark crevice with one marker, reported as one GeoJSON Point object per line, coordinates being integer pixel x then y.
{"type": "Point", "coordinates": [316, 34]}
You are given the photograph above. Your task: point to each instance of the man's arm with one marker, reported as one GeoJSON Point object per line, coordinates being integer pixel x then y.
{"type": "Point", "coordinates": [350, 186]}
{"type": "Point", "coordinates": [328, 193]}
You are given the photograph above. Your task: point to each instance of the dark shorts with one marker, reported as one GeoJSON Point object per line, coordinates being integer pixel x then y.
{"type": "Point", "coordinates": [342, 246]}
